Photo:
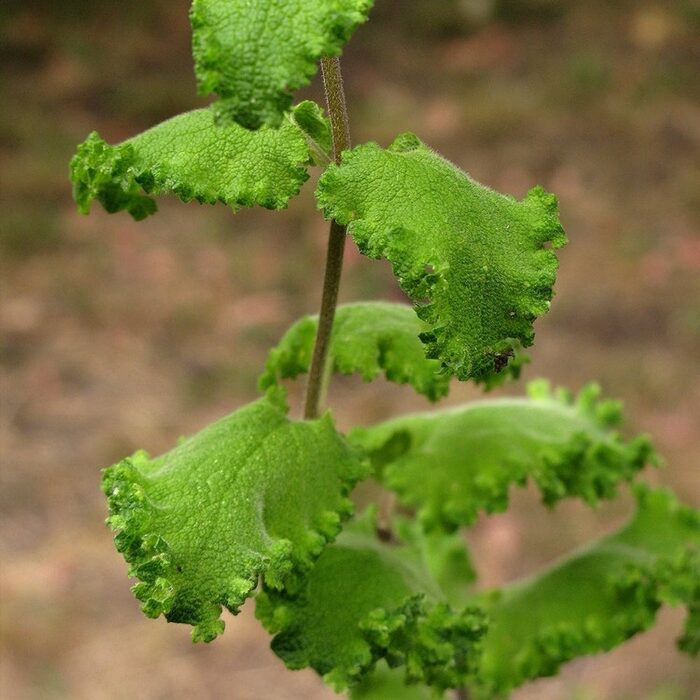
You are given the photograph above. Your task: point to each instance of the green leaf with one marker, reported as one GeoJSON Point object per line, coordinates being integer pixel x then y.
{"type": "Point", "coordinates": [368, 338]}
{"type": "Point", "coordinates": [252, 496]}
{"type": "Point", "coordinates": [454, 463]}
{"type": "Point", "coordinates": [388, 684]}
{"type": "Point", "coordinates": [446, 557]}
{"type": "Point", "coordinates": [480, 258]}
{"type": "Point", "coordinates": [193, 156]}
{"type": "Point", "coordinates": [308, 116]}
{"type": "Point", "coordinates": [254, 54]}
{"type": "Point", "coordinates": [364, 601]}
{"type": "Point", "coordinates": [596, 598]}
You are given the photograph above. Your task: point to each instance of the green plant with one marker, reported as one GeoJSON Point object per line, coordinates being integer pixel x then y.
{"type": "Point", "coordinates": [257, 503]}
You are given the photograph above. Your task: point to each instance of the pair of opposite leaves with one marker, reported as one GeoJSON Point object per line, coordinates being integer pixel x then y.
{"type": "Point", "coordinates": [480, 259]}
{"type": "Point", "coordinates": [477, 256]}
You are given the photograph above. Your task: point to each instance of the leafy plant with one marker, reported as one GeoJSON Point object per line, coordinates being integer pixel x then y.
{"type": "Point", "coordinates": [257, 504]}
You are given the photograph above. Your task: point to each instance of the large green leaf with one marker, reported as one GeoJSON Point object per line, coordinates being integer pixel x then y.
{"type": "Point", "coordinates": [253, 54]}
{"type": "Point", "coordinates": [364, 601]}
{"type": "Point", "coordinates": [368, 338]}
{"type": "Point", "coordinates": [454, 463]}
{"type": "Point", "coordinates": [252, 495]}
{"type": "Point", "coordinates": [480, 258]}
{"type": "Point", "coordinates": [195, 157]}
{"type": "Point", "coordinates": [596, 598]}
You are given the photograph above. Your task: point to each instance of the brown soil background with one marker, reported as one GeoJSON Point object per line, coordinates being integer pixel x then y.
{"type": "Point", "coordinates": [117, 335]}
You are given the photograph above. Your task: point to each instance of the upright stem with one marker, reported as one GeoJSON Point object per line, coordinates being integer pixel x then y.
{"type": "Point", "coordinates": [340, 128]}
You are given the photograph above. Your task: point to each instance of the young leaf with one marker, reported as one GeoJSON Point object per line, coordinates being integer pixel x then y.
{"type": "Point", "coordinates": [478, 257]}
{"type": "Point", "coordinates": [364, 601]}
{"type": "Point", "coordinates": [254, 54]}
{"type": "Point", "coordinates": [252, 495]}
{"type": "Point", "coordinates": [195, 157]}
{"type": "Point", "coordinates": [596, 598]}
{"type": "Point", "coordinates": [452, 464]}
{"type": "Point", "coordinates": [368, 338]}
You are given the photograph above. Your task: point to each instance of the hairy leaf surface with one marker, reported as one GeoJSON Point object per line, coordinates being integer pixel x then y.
{"type": "Point", "coordinates": [368, 338]}
{"type": "Point", "coordinates": [598, 597]}
{"type": "Point", "coordinates": [478, 257]}
{"type": "Point", "coordinates": [193, 156]}
{"type": "Point", "coordinates": [364, 601]}
{"type": "Point", "coordinates": [454, 463]}
{"type": "Point", "coordinates": [252, 495]}
{"type": "Point", "coordinates": [254, 54]}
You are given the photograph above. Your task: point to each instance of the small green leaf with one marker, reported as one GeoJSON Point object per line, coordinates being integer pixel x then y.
{"type": "Point", "coordinates": [253, 495]}
{"type": "Point", "coordinates": [479, 258]}
{"type": "Point", "coordinates": [308, 116]}
{"type": "Point", "coordinates": [254, 54]}
{"type": "Point", "coordinates": [454, 463]}
{"type": "Point", "coordinates": [193, 156]}
{"type": "Point", "coordinates": [596, 598]}
{"type": "Point", "coordinates": [368, 338]}
{"type": "Point", "coordinates": [364, 601]}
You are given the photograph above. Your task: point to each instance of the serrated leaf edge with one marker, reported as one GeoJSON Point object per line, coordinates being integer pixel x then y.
{"type": "Point", "coordinates": [584, 467]}
{"type": "Point", "coordinates": [287, 361]}
{"type": "Point", "coordinates": [110, 174]}
{"type": "Point", "coordinates": [437, 645]}
{"type": "Point", "coordinates": [207, 50]}
{"type": "Point", "coordinates": [151, 561]}
{"type": "Point", "coordinates": [426, 279]}
{"type": "Point", "coordinates": [641, 589]}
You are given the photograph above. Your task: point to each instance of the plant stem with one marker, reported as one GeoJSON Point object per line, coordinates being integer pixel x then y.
{"type": "Point", "coordinates": [385, 515]}
{"type": "Point", "coordinates": [340, 128]}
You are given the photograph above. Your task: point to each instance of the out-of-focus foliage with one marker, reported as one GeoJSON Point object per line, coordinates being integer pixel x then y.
{"type": "Point", "coordinates": [597, 597]}
{"type": "Point", "coordinates": [452, 464]}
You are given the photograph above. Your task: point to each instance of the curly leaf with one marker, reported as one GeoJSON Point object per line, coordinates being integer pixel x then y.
{"type": "Point", "coordinates": [596, 598]}
{"type": "Point", "coordinates": [368, 338]}
{"type": "Point", "coordinates": [452, 464]}
{"type": "Point", "coordinates": [364, 601]}
{"type": "Point", "coordinates": [254, 54]}
{"type": "Point", "coordinates": [478, 257]}
{"type": "Point", "coordinates": [252, 495]}
{"type": "Point", "coordinates": [195, 157]}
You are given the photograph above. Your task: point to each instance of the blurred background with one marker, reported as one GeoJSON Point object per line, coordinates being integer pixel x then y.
{"type": "Point", "coordinates": [119, 335]}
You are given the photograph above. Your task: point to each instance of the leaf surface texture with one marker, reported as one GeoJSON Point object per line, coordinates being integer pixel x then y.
{"type": "Point", "coordinates": [195, 156]}
{"type": "Point", "coordinates": [254, 53]}
{"type": "Point", "coordinates": [478, 257]}
{"type": "Point", "coordinates": [364, 601]}
{"type": "Point", "coordinates": [252, 495]}
{"type": "Point", "coordinates": [368, 339]}
{"type": "Point", "coordinates": [454, 463]}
